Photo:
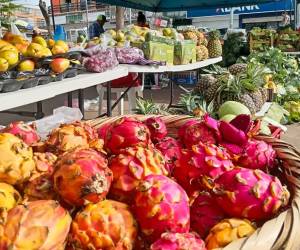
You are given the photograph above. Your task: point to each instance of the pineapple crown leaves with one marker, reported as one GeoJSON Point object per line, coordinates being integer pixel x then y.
{"type": "Point", "coordinates": [215, 70]}
{"type": "Point", "coordinates": [253, 78]}
{"type": "Point", "coordinates": [214, 34]}
{"type": "Point", "coordinates": [148, 107]}
{"type": "Point", "coordinates": [191, 102]}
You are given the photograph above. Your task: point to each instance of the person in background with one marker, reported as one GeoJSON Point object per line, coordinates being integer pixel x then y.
{"type": "Point", "coordinates": [141, 20]}
{"type": "Point", "coordinates": [96, 29]}
{"type": "Point", "coordinates": [286, 19]}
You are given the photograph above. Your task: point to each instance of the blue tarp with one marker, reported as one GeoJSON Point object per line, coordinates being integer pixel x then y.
{"type": "Point", "coordinates": [179, 5]}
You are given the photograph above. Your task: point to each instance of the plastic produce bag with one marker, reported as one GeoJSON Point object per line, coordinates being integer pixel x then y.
{"type": "Point", "coordinates": [14, 30]}
{"type": "Point", "coordinates": [60, 115]}
{"type": "Point", "coordinates": [100, 59]}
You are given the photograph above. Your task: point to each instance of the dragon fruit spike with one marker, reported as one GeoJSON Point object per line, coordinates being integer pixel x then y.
{"type": "Point", "coordinates": [157, 127]}
{"type": "Point", "coordinates": [161, 205]}
{"type": "Point", "coordinates": [171, 150]}
{"type": "Point", "coordinates": [177, 241]}
{"type": "Point", "coordinates": [205, 213]}
{"type": "Point", "coordinates": [25, 132]}
{"type": "Point", "coordinates": [211, 123]}
{"type": "Point", "coordinates": [126, 132]}
{"type": "Point", "coordinates": [251, 194]}
{"type": "Point", "coordinates": [232, 135]}
{"type": "Point", "coordinates": [242, 122]}
{"type": "Point", "coordinates": [257, 155]}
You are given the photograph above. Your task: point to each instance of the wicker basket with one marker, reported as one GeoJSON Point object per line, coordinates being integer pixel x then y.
{"type": "Point", "coordinates": [280, 233]}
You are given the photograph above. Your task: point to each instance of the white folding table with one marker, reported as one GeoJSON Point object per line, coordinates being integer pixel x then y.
{"type": "Point", "coordinates": [37, 94]}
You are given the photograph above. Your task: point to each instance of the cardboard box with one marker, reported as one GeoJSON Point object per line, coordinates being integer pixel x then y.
{"type": "Point", "coordinates": [185, 52]}
{"type": "Point", "coordinates": [159, 52]}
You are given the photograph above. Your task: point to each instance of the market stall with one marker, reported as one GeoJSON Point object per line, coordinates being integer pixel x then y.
{"type": "Point", "coordinates": [214, 175]}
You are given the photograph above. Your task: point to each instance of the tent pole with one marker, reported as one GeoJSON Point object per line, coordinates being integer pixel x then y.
{"type": "Point", "coordinates": [87, 18]}
{"type": "Point", "coordinates": [52, 12]}
{"type": "Point", "coordinates": [231, 18]}
{"type": "Point", "coordinates": [130, 19]}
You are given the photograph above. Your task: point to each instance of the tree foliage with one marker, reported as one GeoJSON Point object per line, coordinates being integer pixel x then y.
{"type": "Point", "coordinates": [7, 10]}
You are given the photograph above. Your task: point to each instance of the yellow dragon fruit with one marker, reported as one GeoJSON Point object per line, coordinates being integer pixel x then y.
{"type": "Point", "coordinates": [73, 135]}
{"type": "Point", "coordinates": [227, 231]}
{"type": "Point", "coordinates": [40, 225]}
{"type": "Point", "coordinates": [106, 225]}
{"type": "Point", "coordinates": [16, 160]}
{"type": "Point", "coordinates": [40, 184]}
{"type": "Point", "coordinates": [9, 198]}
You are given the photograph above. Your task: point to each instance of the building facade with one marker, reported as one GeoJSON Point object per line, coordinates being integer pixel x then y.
{"type": "Point", "coordinates": [72, 14]}
{"type": "Point", "coordinates": [30, 13]}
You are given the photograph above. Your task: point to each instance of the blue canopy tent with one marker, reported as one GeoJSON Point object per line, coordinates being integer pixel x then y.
{"type": "Point", "coordinates": [178, 5]}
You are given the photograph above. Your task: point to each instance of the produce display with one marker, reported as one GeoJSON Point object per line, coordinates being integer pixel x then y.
{"type": "Point", "coordinates": [285, 39]}
{"type": "Point", "coordinates": [129, 185]}
{"type": "Point", "coordinates": [163, 45]}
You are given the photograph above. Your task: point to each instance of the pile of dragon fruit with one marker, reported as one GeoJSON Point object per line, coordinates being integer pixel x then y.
{"type": "Point", "coordinates": [128, 185]}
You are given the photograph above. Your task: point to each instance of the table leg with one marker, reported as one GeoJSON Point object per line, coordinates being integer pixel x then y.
{"type": "Point", "coordinates": [39, 111]}
{"type": "Point", "coordinates": [171, 91]}
{"type": "Point", "coordinates": [70, 101]}
{"type": "Point", "coordinates": [108, 99]}
{"type": "Point", "coordinates": [81, 101]}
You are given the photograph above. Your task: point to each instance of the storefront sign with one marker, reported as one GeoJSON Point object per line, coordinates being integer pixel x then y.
{"type": "Point", "coordinates": [267, 7]}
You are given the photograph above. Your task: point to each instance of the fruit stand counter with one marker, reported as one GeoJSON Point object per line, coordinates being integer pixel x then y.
{"type": "Point", "coordinates": [171, 69]}
{"type": "Point", "coordinates": [27, 96]}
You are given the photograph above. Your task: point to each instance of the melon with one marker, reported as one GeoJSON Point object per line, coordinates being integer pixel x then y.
{"type": "Point", "coordinates": [233, 108]}
{"type": "Point", "coordinates": [227, 118]}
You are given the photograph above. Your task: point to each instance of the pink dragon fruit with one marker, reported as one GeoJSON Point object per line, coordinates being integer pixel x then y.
{"type": "Point", "coordinates": [181, 130]}
{"type": "Point", "coordinates": [157, 127]}
{"type": "Point", "coordinates": [205, 131]}
{"type": "Point", "coordinates": [171, 150]}
{"type": "Point", "coordinates": [205, 213]}
{"type": "Point", "coordinates": [201, 164]}
{"type": "Point", "coordinates": [257, 155]}
{"type": "Point", "coordinates": [102, 131]}
{"type": "Point", "coordinates": [130, 167]}
{"type": "Point", "coordinates": [126, 132]}
{"type": "Point", "coordinates": [177, 241]}
{"type": "Point", "coordinates": [242, 122]}
{"type": "Point", "coordinates": [25, 132]}
{"type": "Point", "coordinates": [251, 194]}
{"type": "Point", "coordinates": [161, 205]}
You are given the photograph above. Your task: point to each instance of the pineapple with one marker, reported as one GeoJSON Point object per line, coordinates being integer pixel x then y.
{"type": "Point", "coordinates": [214, 45]}
{"type": "Point", "coordinates": [207, 86]}
{"type": "Point", "coordinates": [246, 99]}
{"type": "Point", "coordinates": [202, 53]}
{"type": "Point", "coordinates": [190, 35]}
{"type": "Point", "coordinates": [238, 68]}
{"type": "Point", "coordinates": [257, 99]}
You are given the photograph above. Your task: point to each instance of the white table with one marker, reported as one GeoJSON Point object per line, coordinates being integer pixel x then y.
{"type": "Point", "coordinates": [26, 96]}
{"type": "Point", "coordinates": [171, 69]}
{"type": "Point", "coordinates": [295, 53]}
